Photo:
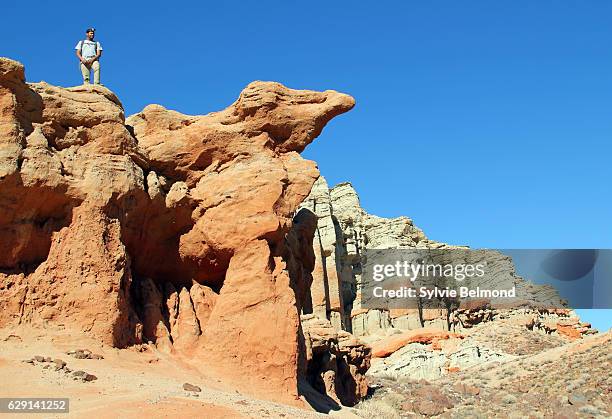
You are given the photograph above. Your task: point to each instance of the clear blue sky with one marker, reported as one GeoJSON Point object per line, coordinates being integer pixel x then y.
{"type": "Point", "coordinates": [488, 123]}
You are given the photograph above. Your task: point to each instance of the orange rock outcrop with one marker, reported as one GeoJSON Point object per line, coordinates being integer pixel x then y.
{"type": "Point", "coordinates": [387, 346]}
{"type": "Point", "coordinates": [164, 228]}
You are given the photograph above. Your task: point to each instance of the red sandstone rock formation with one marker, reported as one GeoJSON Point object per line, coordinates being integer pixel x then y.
{"type": "Point", "coordinates": [166, 227]}
{"type": "Point", "coordinates": [386, 347]}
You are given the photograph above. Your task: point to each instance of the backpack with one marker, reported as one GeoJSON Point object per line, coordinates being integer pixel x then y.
{"type": "Point", "coordinates": [83, 43]}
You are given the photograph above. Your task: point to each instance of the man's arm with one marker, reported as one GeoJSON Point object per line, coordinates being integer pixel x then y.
{"type": "Point", "coordinates": [78, 54]}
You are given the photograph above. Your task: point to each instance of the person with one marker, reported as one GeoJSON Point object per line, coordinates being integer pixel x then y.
{"type": "Point", "coordinates": [89, 52]}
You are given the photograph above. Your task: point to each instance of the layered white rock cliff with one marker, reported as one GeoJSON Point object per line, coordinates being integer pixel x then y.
{"type": "Point", "coordinates": [345, 230]}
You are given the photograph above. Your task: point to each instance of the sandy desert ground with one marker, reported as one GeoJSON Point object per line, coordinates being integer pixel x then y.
{"type": "Point", "coordinates": [131, 383]}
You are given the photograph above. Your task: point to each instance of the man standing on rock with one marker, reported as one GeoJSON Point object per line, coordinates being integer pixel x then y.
{"type": "Point", "coordinates": [89, 52]}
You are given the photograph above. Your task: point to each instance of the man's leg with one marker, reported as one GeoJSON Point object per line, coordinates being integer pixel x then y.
{"type": "Point", "coordinates": [96, 68]}
{"type": "Point", "coordinates": [85, 73]}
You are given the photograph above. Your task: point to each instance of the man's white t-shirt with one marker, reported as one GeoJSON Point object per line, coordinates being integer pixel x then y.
{"type": "Point", "coordinates": [89, 48]}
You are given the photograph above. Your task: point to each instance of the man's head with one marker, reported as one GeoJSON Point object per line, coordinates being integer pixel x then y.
{"type": "Point", "coordinates": [91, 32]}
